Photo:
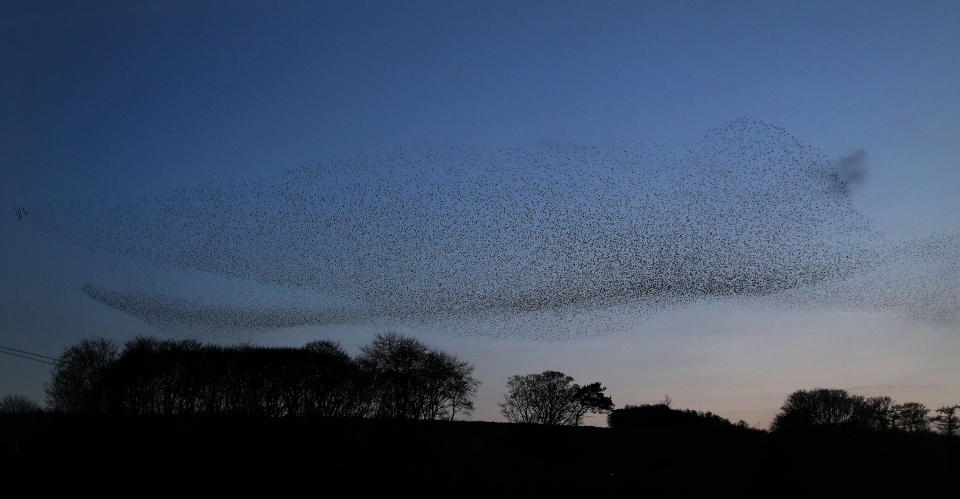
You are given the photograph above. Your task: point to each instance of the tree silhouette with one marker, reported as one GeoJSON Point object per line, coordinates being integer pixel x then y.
{"type": "Point", "coordinates": [18, 404]}
{"type": "Point", "coordinates": [833, 408]}
{"type": "Point", "coordinates": [589, 399]}
{"type": "Point", "coordinates": [875, 413]}
{"type": "Point", "coordinates": [947, 420]}
{"type": "Point", "coordinates": [820, 407]}
{"type": "Point", "coordinates": [334, 386]}
{"type": "Point", "coordinates": [74, 386]}
{"type": "Point", "coordinates": [910, 417]}
{"type": "Point", "coordinates": [457, 386]}
{"type": "Point", "coordinates": [394, 378]}
{"type": "Point", "coordinates": [412, 381]}
{"type": "Point", "coordinates": [552, 398]}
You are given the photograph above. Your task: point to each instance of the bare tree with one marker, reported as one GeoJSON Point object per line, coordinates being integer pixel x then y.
{"type": "Point", "coordinates": [552, 397]}
{"type": "Point", "coordinates": [18, 404]}
{"type": "Point", "coordinates": [461, 392]}
{"type": "Point", "coordinates": [458, 386]}
{"type": "Point", "coordinates": [910, 417]}
{"type": "Point", "coordinates": [75, 380]}
{"type": "Point", "coordinates": [875, 413]}
{"type": "Point", "coordinates": [947, 420]}
{"type": "Point", "coordinates": [412, 381]}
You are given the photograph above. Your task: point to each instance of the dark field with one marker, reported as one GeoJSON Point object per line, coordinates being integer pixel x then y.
{"type": "Point", "coordinates": [473, 458]}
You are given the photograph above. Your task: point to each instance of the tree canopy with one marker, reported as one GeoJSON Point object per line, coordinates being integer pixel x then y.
{"type": "Point", "coordinates": [414, 381]}
{"type": "Point", "coordinates": [823, 408]}
{"type": "Point", "coordinates": [552, 398]}
{"type": "Point", "coordinates": [78, 375]}
{"type": "Point", "coordinates": [947, 420]}
{"type": "Point", "coordinates": [394, 377]}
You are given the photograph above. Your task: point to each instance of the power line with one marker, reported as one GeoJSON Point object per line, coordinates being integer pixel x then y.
{"type": "Point", "coordinates": [29, 358]}
{"type": "Point", "coordinates": [27, 355]}
{"type": "Point", "coordinates": [30, 353]}
{"type": "Point", "coordinates": [23, 354]}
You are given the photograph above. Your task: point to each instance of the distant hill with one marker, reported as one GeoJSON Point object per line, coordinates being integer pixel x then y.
{"type": "Point", "coordinates": [454, 459]}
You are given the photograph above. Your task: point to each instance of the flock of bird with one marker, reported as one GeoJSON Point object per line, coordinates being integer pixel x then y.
{"type": "Point", "coordinates": [543, 242]}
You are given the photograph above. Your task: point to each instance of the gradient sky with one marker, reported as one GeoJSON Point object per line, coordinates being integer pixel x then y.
{"type": "Point", "coordinates": [125, 98]}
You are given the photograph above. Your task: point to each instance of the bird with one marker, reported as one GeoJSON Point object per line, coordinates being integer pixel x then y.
{"type": "Point", "coordinates": [528, 241]}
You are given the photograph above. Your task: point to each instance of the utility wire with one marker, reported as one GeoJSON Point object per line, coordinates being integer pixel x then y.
{"type": "Point", "coordinates": [29, 358]}
{"type": "Point", "coordinates": [23, 354]}
{"type": "Point", "coordinates": [29, 353]}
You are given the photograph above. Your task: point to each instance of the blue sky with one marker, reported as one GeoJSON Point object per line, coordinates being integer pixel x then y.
{"type": "Point", "coordinates": [125, 98]}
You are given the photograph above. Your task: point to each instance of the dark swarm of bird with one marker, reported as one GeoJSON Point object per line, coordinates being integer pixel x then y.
{"type": "Point", "coordinates": [544, 242]}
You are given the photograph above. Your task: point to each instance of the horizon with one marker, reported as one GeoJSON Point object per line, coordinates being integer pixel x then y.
{"type": "Point", "coordinates": [532, 186]}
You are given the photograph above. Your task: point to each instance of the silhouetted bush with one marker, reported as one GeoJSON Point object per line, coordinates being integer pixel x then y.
{"type": "Point", "coordinates": [662, 417]}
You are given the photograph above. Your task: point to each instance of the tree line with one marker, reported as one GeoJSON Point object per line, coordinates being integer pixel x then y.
{"type": "Point", "coordinates": [394, 377]}
{"type": "Point", "coordinates": [837, 410]}
{"type": "Point", "coordinates": [397, 377]}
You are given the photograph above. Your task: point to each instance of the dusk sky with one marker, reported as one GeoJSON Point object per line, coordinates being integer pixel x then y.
{"type": "Point", "coordinates": [123, 101]}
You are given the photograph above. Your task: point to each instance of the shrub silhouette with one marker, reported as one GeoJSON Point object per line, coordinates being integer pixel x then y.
{"type": "Point", "coordinates": [662, 417]}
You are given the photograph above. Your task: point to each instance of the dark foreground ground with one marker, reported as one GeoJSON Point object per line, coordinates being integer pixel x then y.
{"type": "Point", "coordinates": [343, 458]}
